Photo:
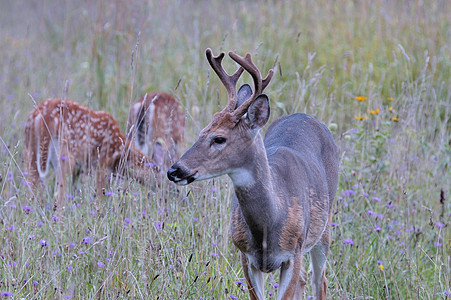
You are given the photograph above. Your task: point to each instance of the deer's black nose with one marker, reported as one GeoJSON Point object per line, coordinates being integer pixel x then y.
{"type": "Point", "coordinates": [172, 173]}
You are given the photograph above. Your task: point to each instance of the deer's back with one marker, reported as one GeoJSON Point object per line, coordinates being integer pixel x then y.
{"type": "Point", "coordinates": [83, 132]}
{"type": "Point", "coordinates": [302, 153]}
{"type": "Point", "coordinates": [161, 115]}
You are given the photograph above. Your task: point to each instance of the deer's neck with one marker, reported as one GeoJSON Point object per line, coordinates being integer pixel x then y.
{"type": "Point", "coordinates": [254, 189]}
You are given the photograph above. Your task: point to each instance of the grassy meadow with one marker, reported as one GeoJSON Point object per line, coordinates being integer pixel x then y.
{"type": "Point", "coordinates": [378, 73]}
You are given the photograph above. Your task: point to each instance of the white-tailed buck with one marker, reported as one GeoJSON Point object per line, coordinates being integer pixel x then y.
{"type": "Point", "coordinates": [284, 185]}
{"type": "Point", "coordinates": [156, 125]}
{"type": "Point", "coordinates": [72, 137]}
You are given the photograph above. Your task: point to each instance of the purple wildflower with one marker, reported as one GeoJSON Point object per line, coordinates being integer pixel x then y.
{"type": "Point", "coordinates": [31, 236]}
{"type": "Point", "coordinates": [348, 241]}
{"type": "Point", "coordinates": [108, 193]}
{"type": "Point", "coordinates": [92, 213]}
{"type": "Point", "coordinates": [158, 225]}
{"type": "Point", "coordinates": [127, 220]}
{"type": "Point", "coordinates": [370, 213]}
{"type": "Point", "coordinates": [7, 294]}
{"type": "Point", "coordinates": [215, 254]}
{"type": "Point", "coordinates": [348, 193]}
{"type": "Point", "coordinates": [12, 227]}
{"type": "Point", "coordinates": [239, 283]}
{"type": "Point", "coordinates": [35, 283]}
{"type": "Point", "coordinates": [28, 209]}
{"type": "Point", "coordinates": [378, 228]}
{"type": "Point", "coordinates": [43, 243]}
{"type": "Point", "coordinates": [69, 268]}
{"type": "Point", "coordinates": [376, 199]}
{"type": "Point", "coordinates": [410, 229]}
{"type": "Point", "coordinates": [63, 158]}
{"type": "Point", "coordinates": [87, 240]}
{"type": "Point", "coordinates": [68, 196]}
{"type": "Point", "coordinates": [233, 297]}
{"type": "Point", "coordinates": [439, 225]}
{"type": "Point", "coordinates": [54, 218]}
{"type": "Point", "coordinates": [438, 244]}
{"type": "Point", "coordinates": [100, 264]}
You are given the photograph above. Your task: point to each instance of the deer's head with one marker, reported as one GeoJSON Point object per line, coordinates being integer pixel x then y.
{"type": "Point", "coordinates": [221, 147]}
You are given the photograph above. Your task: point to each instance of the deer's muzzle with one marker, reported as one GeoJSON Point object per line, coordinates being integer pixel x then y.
{"type": "Point", "coordinates": [181, 176]}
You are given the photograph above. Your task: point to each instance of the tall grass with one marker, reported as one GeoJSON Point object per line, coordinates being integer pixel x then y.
{"type": "Point", "coordinates": [391, 236]}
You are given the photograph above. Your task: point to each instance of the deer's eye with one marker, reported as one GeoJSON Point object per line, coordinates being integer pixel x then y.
{"type": "Point", "coordinates": [219, 140]}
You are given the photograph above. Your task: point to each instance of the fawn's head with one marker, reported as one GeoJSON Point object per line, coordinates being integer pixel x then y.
{"type": "Point", "coordinates": [222, 144]}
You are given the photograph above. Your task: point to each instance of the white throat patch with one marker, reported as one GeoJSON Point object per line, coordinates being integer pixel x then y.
{"type": "Point", "coordinates": [242, 177]}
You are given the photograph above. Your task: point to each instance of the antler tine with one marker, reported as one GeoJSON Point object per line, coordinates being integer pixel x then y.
{"type": "Point", "coordinates": [259, 83]}
{"type": "Point", "coordinates": [267, 79]}
{"type": "Point", "coordinates": [229, 81]}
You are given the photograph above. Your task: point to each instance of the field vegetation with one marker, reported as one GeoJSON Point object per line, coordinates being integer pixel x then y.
{"type": "Point", "coordinates": [378, 73]}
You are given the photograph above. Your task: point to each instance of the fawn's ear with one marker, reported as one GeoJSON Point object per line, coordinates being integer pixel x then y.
{"type": "Point", "coordinates": [258, 112]}
{"type": "Point", "coordinates": [243, 94]}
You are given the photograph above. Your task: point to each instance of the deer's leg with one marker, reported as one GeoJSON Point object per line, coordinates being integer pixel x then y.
{"type": "Point", "coordinates": [62, 170]}
{"type": "Point", "coordinates": [31, 168]}
{"type": "Point", "coordinates": [254, 279]}
{"type": "Point", "coordinates": [101, 181]}
{"type": "Point", "coordinates": [292, 278]}
{"type": "Point", "coordinates": [319, 255]}
{"type": "Point", "coordinates": [302, 281]}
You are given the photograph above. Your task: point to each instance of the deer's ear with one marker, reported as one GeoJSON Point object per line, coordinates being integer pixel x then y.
{"type": "Point", "coordinates": [258, 112]}
{"type": "Point", "coordinates": [243, 94]}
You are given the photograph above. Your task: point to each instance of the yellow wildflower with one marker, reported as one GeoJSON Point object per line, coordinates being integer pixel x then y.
{"type": "Point", "coordinates": [390, 108]}
{"type": "Point", "coordinates": [390, 98]}
{"type": "Point", "coordinates": [361, 98]}
{"type": "Point", "coordinates": [395, 118]}
{"type": "Point", "coordinates": [381, 267]}
{"type": "Point", "coordinates": [360, 118]}
{"type": "Point", "coordinates": [373, 111]}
